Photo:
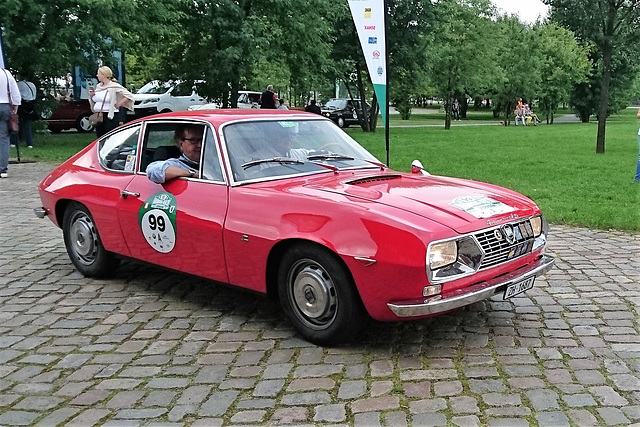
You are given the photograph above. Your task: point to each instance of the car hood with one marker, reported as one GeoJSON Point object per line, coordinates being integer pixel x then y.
{"type": "Point", "coordinates": [460, 204]}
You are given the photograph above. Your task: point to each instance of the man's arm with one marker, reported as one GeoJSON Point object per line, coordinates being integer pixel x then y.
{"type": "Point", "coordinates": [163, 170]}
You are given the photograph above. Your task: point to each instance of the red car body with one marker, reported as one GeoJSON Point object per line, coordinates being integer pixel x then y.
{"type": "Point", "coordinates": [334, 241]}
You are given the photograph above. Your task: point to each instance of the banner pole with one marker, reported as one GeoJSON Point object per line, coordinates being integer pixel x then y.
{"type": "Point", "coordinates": [386, 53]}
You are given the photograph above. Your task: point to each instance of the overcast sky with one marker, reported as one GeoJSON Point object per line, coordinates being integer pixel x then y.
{"type": "Point", "coordinates": [527, 10]}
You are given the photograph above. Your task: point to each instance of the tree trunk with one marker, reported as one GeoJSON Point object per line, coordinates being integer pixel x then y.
{"type": "Point", "coordinates": [604, 98]}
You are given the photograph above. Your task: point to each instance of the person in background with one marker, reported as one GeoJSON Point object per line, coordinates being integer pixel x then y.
{"type": "Point", "coordinates": [281, 105]}
{"type": "Point", "coordinates": [109, 97]}
{"type": "Point", "coordinates": [455, 110]}
{"type": "Point", "coordinates": [313, 108]}
{"type": "Point", "coordinates": [26, 111]}
{"type": "Point", "coordinates": [188, 137]}
{"type": "Point", "coordinates": [9, 102]}
{"type": "Point", "coordinates": [638, 167]}
{"type": "Point", "coordinates": [268, 98]}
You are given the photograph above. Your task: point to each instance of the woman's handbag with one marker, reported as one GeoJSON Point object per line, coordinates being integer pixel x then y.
{"type": "Point", "coordinates": [14, 122]}
{"type": "Point", "coordinates": [95, 118]}
{"type": "Point", "coordinates": [14, 125]}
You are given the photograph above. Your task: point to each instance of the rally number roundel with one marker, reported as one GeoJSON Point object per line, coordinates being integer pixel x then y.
{"type": "Point", "coordinates": [157, 218]}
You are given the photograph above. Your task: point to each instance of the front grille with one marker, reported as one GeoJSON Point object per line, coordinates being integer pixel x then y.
{"type": "Point", "coordinates": [496, 248]}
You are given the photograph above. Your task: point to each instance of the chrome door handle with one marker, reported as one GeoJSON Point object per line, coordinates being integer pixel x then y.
{"type": "Point", "coordinates": [124, 194]}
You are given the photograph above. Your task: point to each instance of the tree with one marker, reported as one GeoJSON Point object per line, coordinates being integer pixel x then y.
{"type": "Point", "coordinates": [519, 64]}
{"type": "Point", "coordinates": [564, 64]}
{"type": "Point", "coordinates": [609, 25]}
{"type": "Point", "coordinates": [408, 23]}
{"type": "Point", "coordinates": [44, 40]}
{"type": "Point", "coordinates": [462, 50]}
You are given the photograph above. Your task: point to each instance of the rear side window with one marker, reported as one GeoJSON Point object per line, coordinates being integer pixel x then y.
{"type": "Point", "coordinates": [118, 151]}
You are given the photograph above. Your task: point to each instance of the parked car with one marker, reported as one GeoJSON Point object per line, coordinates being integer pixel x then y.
{"type": "Point", "coordinates": [289, 205]}
{"type": "Point", "coordinates": [69, 115]}
{"type": "Point", "coordinates": [165, 97]}
{"type": "Point", "coordinates": [343, 111]}
{"type": "Point", "coordinates": [246, 99]}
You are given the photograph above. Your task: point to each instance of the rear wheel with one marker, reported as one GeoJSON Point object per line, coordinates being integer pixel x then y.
{"type": "Point", "coordinates": [319, 296]}
{"type": "Point", "coordinates": [83, 243]}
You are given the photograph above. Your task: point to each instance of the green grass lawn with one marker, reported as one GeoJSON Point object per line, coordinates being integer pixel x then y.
{"type": "Point", "coordinates": [555, 165]}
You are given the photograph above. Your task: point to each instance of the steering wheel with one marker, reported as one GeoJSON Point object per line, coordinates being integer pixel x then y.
{"type": "Point", "coordinates": [329, 144]}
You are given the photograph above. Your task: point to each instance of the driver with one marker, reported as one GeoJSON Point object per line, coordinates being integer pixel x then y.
{"type": "Point", "coordinates": [280, 147]}
{"type": "Point", "coordinates": [188, 137]}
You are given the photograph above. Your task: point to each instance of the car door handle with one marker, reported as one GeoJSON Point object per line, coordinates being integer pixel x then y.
{"type": "Point", "coordinates": [124, 194]}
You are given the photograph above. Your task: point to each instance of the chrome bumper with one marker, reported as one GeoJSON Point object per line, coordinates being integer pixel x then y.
{"type": "Point", "coordinates": [40, 212]}
{"type": "Point", "coordinates": [472, 294]}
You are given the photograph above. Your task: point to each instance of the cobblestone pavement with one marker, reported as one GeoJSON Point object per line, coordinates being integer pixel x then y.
{"type": "Point", "coordinates": [155, 348]}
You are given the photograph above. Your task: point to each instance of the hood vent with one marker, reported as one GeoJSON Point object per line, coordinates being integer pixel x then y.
{"type": "Point", "coordinates": [371, 179]}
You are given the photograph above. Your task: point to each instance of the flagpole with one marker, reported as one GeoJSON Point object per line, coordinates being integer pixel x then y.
{"type": "Point", "coordinates": [386, 60]}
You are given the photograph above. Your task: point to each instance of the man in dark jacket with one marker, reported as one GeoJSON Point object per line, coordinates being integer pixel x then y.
{"type": "Point", "coordinates": [313, 108]}
{"type": "Point", "coordinates": [268, 98]}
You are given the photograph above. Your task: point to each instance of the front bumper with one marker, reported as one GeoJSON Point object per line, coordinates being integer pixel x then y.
{"type": "Point", "coordinates": [466, 296]}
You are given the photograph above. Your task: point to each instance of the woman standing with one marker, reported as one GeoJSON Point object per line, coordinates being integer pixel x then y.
{"type": "Point", "coordinates": [109, 97]}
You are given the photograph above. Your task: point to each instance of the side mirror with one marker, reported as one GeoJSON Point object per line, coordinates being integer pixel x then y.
{"type": "Point", "coordinates": [416, 167]}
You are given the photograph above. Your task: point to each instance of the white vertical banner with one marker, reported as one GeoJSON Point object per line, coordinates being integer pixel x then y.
{"type": "Point", "coordinates": [1, 51]}
{"type": "Point", "coordinates": [369, 18]}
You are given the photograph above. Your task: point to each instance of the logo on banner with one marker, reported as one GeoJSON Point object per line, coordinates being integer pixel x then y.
{"type": "Point", "coordinates": [376, 54]}
{"type": "Point", "coordinates": [380, 71]}
{"type": "Point", "coordinates": [370, 27]}
{"type": "Point", "coordinates": [367, 12]}
{"type": "Point", "coordinates": [373, 40]}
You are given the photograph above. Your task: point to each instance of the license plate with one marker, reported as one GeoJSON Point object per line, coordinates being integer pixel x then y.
{"type": "Point", "coordinates": [519, 287]}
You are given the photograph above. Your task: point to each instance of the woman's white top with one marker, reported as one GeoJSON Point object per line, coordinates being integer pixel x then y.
{"type": "Point", "coordinates": [102, 102]}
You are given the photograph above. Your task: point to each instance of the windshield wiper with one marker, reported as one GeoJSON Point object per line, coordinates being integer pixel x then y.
{"type": "Point", "coordinates": [282, 160]}
{"type": "Point", "coordinates": [331, 156]}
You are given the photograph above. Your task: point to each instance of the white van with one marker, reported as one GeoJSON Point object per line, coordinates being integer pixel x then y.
{"type": "Point", "coordinates": [164, 97]}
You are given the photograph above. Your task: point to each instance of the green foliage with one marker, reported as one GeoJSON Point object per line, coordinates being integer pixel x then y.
{"type": "Point", "coordinates": [612, 28]}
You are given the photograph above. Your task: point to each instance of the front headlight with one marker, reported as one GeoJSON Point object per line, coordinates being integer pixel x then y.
{"type": "Point", "coordinates": [150, 101]}
{"type": "Point", "coordinates": [442, 254]}
{"type": "Point", "coordinates": [536, 224]}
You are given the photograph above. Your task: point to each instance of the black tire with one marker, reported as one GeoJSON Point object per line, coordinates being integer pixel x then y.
{"type": "Point", "coordinates": [340, 122]}
{"type": "Point", "coordinates": [319, 296]}
{"type": "Point", "coordinates": [83, 125]}
{"type": "Point", "coordinates": [83, 243]}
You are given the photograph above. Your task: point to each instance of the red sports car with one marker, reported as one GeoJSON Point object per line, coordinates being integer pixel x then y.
{"type": "Point", "coordinates": [285, 203]}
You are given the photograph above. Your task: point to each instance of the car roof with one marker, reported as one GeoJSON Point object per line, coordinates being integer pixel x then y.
{"type": "Point", "coordinates": [220, 116]}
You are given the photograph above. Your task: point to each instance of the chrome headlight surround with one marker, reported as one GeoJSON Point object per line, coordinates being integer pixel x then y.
{"type": "Point", "coordinates": [453, 258]}
{"type": "Point", "coordinates": [540, 231]}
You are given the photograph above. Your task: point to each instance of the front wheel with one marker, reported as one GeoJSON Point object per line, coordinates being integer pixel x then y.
{"type": "Point", "coordinates": [319, 296]}
{"type": "Point", "coordinates": [340, 122]}
{"type": "Point", "coordinates": [83, 243]}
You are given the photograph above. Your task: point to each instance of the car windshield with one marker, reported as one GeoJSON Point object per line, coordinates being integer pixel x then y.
{"type": "Point", "coordinates": [276, 148]}
{"type": "Point", "coordinates": [336, 104]}
{"type": "Point", "coordinates": [155, 87]}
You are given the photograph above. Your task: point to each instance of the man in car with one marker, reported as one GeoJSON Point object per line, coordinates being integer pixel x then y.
{"type": "Point", "coordinates": [188, 137]}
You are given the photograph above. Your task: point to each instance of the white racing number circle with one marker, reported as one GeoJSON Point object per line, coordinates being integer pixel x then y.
{"type": "Point", "coordinates": [157, 219]}
{"type": "Point", "coordinates": [158, 230]}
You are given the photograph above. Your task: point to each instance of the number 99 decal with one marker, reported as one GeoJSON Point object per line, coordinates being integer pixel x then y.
{"type": "Point", "coordinates": [157, 218]}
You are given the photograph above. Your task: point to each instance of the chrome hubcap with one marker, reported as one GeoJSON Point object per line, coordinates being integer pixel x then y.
{"type": "Point", "coordinates": [313, 292]}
